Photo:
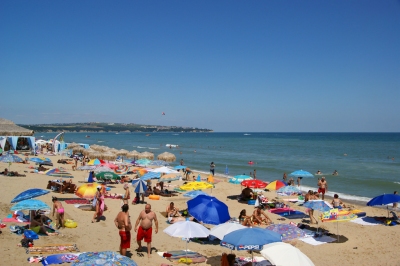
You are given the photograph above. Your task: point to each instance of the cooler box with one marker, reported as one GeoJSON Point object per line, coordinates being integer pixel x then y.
{"type": "Point", "coordinates": [251, 202]}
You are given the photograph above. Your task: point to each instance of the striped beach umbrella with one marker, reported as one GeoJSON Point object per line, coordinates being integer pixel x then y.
{"type": "Point", "coordinates": [275, 185]}
{"type": "Point", "coordinates": [139, 186]}
{"type": "Point", "coordinates": [150, 175]}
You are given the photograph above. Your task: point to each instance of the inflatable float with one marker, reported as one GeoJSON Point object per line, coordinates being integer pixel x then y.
{"type": "Point", "coordinates": [250, 162]}
{"type": "Point", "coordinates": [70, 223]}
{"type": "Point", "coordinates": [154, 197]}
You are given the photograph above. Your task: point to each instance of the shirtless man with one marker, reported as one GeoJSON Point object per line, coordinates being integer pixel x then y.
{"type": "Point", "coordinates": [144, 230]}
{"type": "Point", "coordinates": [322, 187]}
{"type": "Point", "coordinates": [258, 218]}
{"type": "Point", "coordinates": [172, 210]}
{"type": "Point", "coordinates": [123, 223]}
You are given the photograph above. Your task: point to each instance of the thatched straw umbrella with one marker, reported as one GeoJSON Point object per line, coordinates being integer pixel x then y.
{"type": "Point", "coordinates": [102, 148]}
{"type": "Point", "coordinates": [166, 156]}
{"type": "Point", "coordinates": [95, 147]}
{"type": "Point", "coordinates": [8, 128]}
{"type": "Point", "coordinates": [146, 155]}
{"type": "Point", "coordinates": [109, 156]}
{"type": "Point", "coordinates": [122, 152]}
{"type": "Point", "coordinates": [78, 149]}
{"type": "Point", "coordinates": [94, 154]}
{"type": "Point", "coordinates": [87, 151]}
{"type": "Point", "coordinates": [72, 145]}
{"type": "Point", "coordinates": [133, 154]}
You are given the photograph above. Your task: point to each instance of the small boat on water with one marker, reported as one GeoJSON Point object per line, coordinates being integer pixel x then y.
{"type": "Point", "coordinates": [87, 136]}
{"type": "Point", "coordinates": [147, 135]}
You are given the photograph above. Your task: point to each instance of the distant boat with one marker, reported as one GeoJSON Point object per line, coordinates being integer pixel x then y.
{"type": "Point", "coordinates": [117, 133]}
{"type": "Point", "coordinates": [147, 135]}
{"type": "Point", "coordinates": [87, 136]}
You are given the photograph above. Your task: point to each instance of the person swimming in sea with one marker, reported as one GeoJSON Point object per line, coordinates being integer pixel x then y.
{"type": "Point", "coordinates": [318, 172]}
{"type": "Point", "coordinates": [335, 173]}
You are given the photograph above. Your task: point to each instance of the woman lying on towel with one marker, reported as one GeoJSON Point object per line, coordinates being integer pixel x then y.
{"type": "Point", "coordinates": [37, 226]}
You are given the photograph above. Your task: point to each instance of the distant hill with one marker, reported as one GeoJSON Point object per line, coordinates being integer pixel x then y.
{"type": "Point", "coordinates": [109, 127]}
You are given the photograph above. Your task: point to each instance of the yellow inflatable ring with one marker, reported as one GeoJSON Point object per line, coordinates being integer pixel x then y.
{"type": "Point", "coordinates": [154, 197]}
{"type": "Point", "coordinates": [70, 223]}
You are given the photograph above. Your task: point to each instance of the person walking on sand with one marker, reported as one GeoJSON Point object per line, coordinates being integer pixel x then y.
{"type": "Point", "coordinates": [212, 168]}
{"type": "Point", "coordinates": [57, 206]}
{"type": "Point", "coordinates": [143, 226]}
{"type": "Point", "coordinates": [123, 223]}
{"type": "Point", "coordinates": [98, 203]}
{"type": "Point", "coordinates": [322, 187]}
{"type": "Point", "coordinates": [127, 194]}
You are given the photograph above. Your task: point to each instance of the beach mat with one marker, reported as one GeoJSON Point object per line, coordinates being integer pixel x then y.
{"type": "Point", "coordinates": [86, 207]}
{"type": "Point", "coordinates": [366, 221]}
{"type": "Point", "coordinates": [315, 241]}
{"type": "Point", "coordinates": [60, 258]}
{"type": "Point", "coordinates": [77, 201]}
{"type": "Point", "coordinates": [257, 261]}
{"type": "Point", "coordinates": [176, 255]}
{"type": "Point", "coordinates": [12, 220]}
{"type": "Point", "coordinates": [52, 249]}
{"type": "Point", "coordinates": [293, 215]}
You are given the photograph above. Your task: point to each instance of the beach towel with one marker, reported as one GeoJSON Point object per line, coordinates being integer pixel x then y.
{"type": "Point", "coordinates": [77, 201]}
{"type": "Point", "coordinates": [257, 261]}
{"type": "Point", "coordinates": [315, 241]}
{"type": "Point", "coordinates": [176, 255]}
{"type": "Point", "coordinates": [52, 249]}
{"type": "Point", "coordinates": [366, 221]}
{"type": "Point", "coordinates": [13, 220]}
{"type": "Point", "coordinates": [60, 258]}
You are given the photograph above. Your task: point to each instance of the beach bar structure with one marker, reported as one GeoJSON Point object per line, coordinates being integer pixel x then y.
{"type": "Point", "coordinates": [11, 136]}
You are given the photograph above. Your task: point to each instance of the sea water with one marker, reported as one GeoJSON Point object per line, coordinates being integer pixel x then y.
{"type": "Point", "coordinates": [367, 163]}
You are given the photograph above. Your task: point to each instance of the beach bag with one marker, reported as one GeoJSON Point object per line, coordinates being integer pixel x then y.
{"type": "Point", "coordinates": [257, 203]}
{"type": "Point", "coordinates": [27, 242]}
{"type": "Point", "coordinates": [135, 200]}
{"type": "Point", "coordinates": [94, 203]}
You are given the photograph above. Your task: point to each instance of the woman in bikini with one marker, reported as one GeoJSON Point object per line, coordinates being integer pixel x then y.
{"type": "Point", "coordinates": [57, 206]}
{"type": "Point", "coordinates": [99, 207]}
{"type": "Point", "coordinates": [244, 219]}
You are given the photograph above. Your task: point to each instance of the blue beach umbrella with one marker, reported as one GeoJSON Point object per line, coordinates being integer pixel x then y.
{"type": "Point", "coordinates": [250, 238]}
{"type": "Point", "coordinates": [36, 160]}
{"type": "Point", "coordinates": [10, 158]}
{"type": "Point", "coordinates": [30, 204]}
{"type": "Point", "coordinates": [319, 205]}
{"type": "Point", "coordinates": [237, 179]}
{"type": "Point", "coordinates": [150, 175]}
{"type": "Point", "coordinates": [194, 193]}
{"type": "Point", "coordinates": [289, 190]}
{"type": "Point", "coordinates": [301, 173]}
{"type": "Point", "coordinates": [143, 162]}
{"type": "Point", "coordinates": [384, 200]}
{"type": "Point", "coordinates": [159, 163]}
{"type": "Point", "coordinates": [208, 210]}
{"type": "Point", "coordinates": [178, 167]}
{"type": "Point", "coordinates": [139, 186]}
{"type": "Point", "coordinates": [29, 194]}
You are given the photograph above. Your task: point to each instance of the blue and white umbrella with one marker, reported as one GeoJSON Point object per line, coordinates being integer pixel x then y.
{"type": "Point", "coordinates": [29, 194]}
{"type": "Point", "coordinates": [159, 163]}
{"type": "Point", "coordinates": [143, 162]}
{"type": "Point", "coordinates": [250, 238]}
{"type": "Point", "coordinates": [237, 179]}
{"type": "Point", "coordinates": [30, 204]}
{"type": "Point", "coordinates": [10, 158]}
{"type": "Point", "coordinates": [301, 173]}
{"type": "Point", "coordinates": [150, 175]}
{"type": "Point", "coordinates": [319, 205]}
{"type": "Point", "coordinates": [289, 190]}
{"type": "Point", "coordinates": [139, 186]}
{"type": "Point", "coordinates": [194, 193]}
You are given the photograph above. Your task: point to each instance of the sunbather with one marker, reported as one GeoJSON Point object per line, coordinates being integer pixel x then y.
{"type": "Point", "coordinates": [38, 227]}
{"type": "Point", "coordinates": [156, 191]}
{"type": "Point", "coordinates": [172, 220]}
{"type": "Point", "coordinates": [257, 216]}
{"type": "Point", "coordinates": [244, 219]}
{"type": "Point", "coordinates": [172, 210]}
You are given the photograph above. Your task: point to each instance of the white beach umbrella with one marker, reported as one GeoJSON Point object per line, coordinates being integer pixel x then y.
{"type": "Point", "coordinates": [221, 230]}
{"type": "Point", "coordinates": [164, 170]}
{"type": "Point", "coordinates": [283, 254]}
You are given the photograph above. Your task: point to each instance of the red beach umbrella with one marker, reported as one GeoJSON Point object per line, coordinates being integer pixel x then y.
{"type": "Point", "coordinates": [256, 183]}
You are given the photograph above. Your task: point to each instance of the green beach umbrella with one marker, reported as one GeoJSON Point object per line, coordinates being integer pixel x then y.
{"type": "Point", "coordinates": [107, 175]}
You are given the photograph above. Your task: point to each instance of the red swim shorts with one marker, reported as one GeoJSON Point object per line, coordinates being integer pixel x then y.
{"type": "Point", "coordinates": [125, 239]}
{"type": "Point", "coordinates": [144, 233]}
{"type": "Point", "coordinates": [321, 190]}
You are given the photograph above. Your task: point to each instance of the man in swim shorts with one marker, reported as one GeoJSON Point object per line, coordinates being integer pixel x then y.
{"type": "Point", "coordinates": [123, 223]}
{"type": "Point", "coordinates": [144, 230]}
{"type": "Point", "coordinates": [322, 187]}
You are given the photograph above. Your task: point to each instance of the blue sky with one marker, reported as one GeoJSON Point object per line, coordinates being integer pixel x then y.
{"type": "Point", "coordinates": [246, 66]}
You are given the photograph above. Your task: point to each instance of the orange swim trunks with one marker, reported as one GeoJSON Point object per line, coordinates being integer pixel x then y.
{"type": "Point", "coordinates": [144, 233]}
{"type": "Point", "coordinates": [125, 239]}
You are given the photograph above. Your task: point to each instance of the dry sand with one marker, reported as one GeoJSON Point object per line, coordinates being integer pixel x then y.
{"type": "Point", "coordinates": [358, 245]}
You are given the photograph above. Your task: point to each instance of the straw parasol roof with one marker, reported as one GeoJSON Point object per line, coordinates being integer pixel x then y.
{"type": "Point", "coordinates": [8, 128]}
{"type": "Point", "coordinates": [166, 156]}
{"type": "Point", "coordinates": [72, 145]}
{"type": "Point", "coordinates": [133, 154]}
{"type": "Point", "coordinates": [78, 149]}
{"type": "Point", "coordinates": [122, 152]}
{"type": "Point", "coordinates": [146, 155]}
{"type": "Point", "coordinates": [108, 156]}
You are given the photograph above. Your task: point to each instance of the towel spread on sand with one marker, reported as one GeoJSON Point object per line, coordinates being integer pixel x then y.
{"type": "Point", "coordinates": [257, 261]}
{"type": "Point", "coordinates": [77, 201]}
{"type": "Point", "coordinates": [53, 249]}
{"type": "Point", "coordinates": [176, 255]}
{"type": "Point", "coordinates": [315, 241]}
{"type": "Point", "coordinates": [366, 221]}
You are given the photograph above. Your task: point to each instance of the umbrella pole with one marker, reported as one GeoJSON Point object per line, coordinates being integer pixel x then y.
{"type": "Point", "coordinates": [337, 229]}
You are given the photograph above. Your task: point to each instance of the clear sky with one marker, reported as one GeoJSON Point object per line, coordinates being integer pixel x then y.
{"type": "Point", "coordinates": [244, 66]}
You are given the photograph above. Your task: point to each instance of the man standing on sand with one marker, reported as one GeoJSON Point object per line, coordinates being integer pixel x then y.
{"type": "Point", "coordinates": [322, 187]}
{"type": "Point", "coordinates": [123, 223]}
{"type": "Point", "coordinates": [144, 230]}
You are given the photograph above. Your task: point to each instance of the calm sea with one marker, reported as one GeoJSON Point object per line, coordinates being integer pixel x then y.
{"type": "Point", "coordinates": [368, 163]}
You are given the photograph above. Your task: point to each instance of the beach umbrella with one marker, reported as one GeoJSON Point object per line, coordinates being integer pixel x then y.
{"type": "Point", "coordinates": [284, 254]}
{"type": "Point", "coordinates": [102, 258]}
{"type": "Point", "coordinates": [254, 183]}
{"type": "Point", "coordinates": [158, 163]}
{"type": "Point", "coordinates": [167, 156]}
{"type": "Point", "coordinates": [30, 204]}
{"type": "Point", "coordinates": [301, 173]}
{"type": "Point", "coordinates": [196, 186]}
{"type": "Point", "coordinates": [72, 145]}
{"type": "Point", "coordinates": [36, 160]}
{"type": "Point", "coordinates": [289, 190]}
{"type": "Point", "coordinates": [287, 231]}
{"type": "Point", "coordinates": [237, 179]}
{"type": "Point", "coordinates": [29, 194]}
{"type": "Point", "coordinates": [249, 238]}
{"type": "Point", "coordinates": [133, 154]}
{"type": "Point", "coordinates": [384, 199]}
{"type": "Point", "coordinates": [139, 186]}
{"type": "Point", "coordinates": [318, 205]}
{"type": "Point", "coordinates": [146, 155]}
{"type": "Point", "coordinates": [143, 161]}
{"type": "Point", "coordinates": [221, 230]}
{"type": "Point", "coordinates": [194, 193]}
{"type": "Point", "coordinates": [107, 175]}
{"type": "Point", "coordinates": [108, 156]}
{"type": "Point", "coordinates": [150, 175]}
{"type": "Point", "coordinates": [179, 167]}
{"type": "Point", "coordinates": [87, 191]}
{"type": "Point", "coordinates": [164, 170]}
{"type": "Point", "coordinates": [94, 162]}
{"type": "Point", "coordinates": [275, 185]}
{"type": "Point", "coordinates": [102, 168]}
{"type": "Point", "coordinates": [121, 170]}
{"type": "Point", "coordinates": [169, 177]}
{"type": "Point", "coordinates": [187, 229]}
{"type": "Point", "coordinates": [122, 152]}
{"type": "Point", "coordinates": [10, 158]}
{"type": "Point", "coordinates": [334, 215]}
{"type": "Point", "coordinates": [208, 210]}
{"type": "Point", "coordinates": [59, 172]}
{"type": "Point", "coordinates": [88, 167]}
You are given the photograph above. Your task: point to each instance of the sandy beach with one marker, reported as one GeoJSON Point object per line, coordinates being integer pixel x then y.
{"type": "Point", "coordinates": [358, 244]}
